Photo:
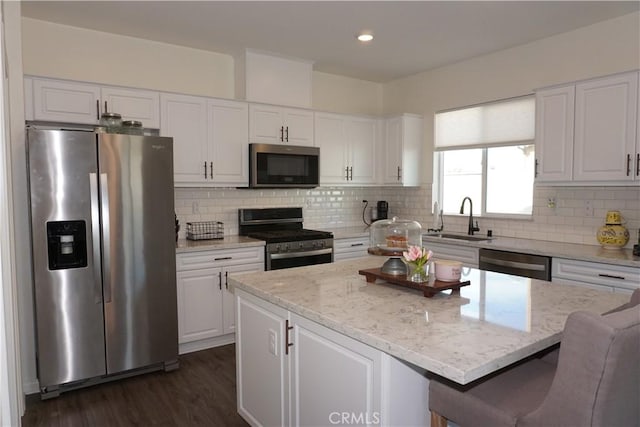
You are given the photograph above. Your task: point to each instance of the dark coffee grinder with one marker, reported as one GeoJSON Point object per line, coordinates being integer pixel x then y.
{"type": "Point", "coordinates": [382, 210]}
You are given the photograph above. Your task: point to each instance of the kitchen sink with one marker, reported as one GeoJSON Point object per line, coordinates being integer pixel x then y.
{"type": "Point", "coordinates": [460, 237]}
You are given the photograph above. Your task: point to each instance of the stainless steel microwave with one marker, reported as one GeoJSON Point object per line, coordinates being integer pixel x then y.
{"type": "Point", "coordinates": [283, 166]}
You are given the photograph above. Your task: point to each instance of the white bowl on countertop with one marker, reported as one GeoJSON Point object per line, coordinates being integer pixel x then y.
{"type": "Point", "coordinates": [448, 270]}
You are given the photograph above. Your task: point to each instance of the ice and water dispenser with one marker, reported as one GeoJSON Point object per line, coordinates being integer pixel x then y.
{"type": "Point", "coordinates": [67, 244]}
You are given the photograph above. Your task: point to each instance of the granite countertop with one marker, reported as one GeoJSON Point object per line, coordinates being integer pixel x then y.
{"type": "Point", "coordinates": [229, 242]}
{"type": "Point", "coordinates": [497, 320]}
{"type": "Point", "coordinates": [554, 249]}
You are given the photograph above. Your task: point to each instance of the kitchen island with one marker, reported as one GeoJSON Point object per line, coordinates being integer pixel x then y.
{"type": "Point", "coordinates": [313, 328]}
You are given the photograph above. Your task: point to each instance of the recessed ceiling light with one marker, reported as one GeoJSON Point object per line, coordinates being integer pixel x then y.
{"type": "Point", "coordinates": [365, 37]}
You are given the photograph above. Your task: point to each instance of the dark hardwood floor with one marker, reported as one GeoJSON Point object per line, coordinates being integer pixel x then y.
{"type": "Point", "coordinates": [202, 392]}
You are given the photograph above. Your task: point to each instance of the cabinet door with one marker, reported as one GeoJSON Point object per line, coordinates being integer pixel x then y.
{"type": "Point", "coordinates": [298, 125]}
{"type": "Point", "coordinates": [392, 161]}
{"type": "Point", "coordinates": [554, 134]}
{"type": "Point", "coordinates": [265, 124]}
{"type": "Point", "coordinates": [61, 101]}
{"type": "Point", "coordinates": [228, 136]}
{"type": "Point", "coordinates": [605, 128]}
{"type": "Point", "coordinates": [133, 104]}
{"type": "Point", "coordinates": [228, 297]}
{"type": "Point", "coordinates": [199, 304]}
{"type": "Point", "coordinates": [330, 138]}
{"type": "Point", "coordinates": [361, 136]}
{"type": "Point", "coordinates": [333, 374]}
{"type": "Point", "coordinates": [185, 119]}
{"type": "Point", "coordinates": [261, 363]}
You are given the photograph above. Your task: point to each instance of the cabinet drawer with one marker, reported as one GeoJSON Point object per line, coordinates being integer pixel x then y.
{"type": "Point", "coordinates": [596, 273]}
{"type": "Point", "coordinates": [468, 256]}
{"type": "Point", "coordinates": [350, 248]}
{"type": "Point", "coordinates": [356, 244]}
{"type": "Point", "coordinates": [219, 258]}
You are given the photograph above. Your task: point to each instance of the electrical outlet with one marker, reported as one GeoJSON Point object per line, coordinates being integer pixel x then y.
{"type": "Point", "coordinates": [588, 208]}
{"type": "Point", "coordinates": [273, 342]}
{"type": "Point", "coordinates": [195, 207]}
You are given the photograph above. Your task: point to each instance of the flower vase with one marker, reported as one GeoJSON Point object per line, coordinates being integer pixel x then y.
{"type": "Point", "coordinates": [418, 273]}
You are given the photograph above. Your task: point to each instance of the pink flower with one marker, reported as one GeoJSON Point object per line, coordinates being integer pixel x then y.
{"type": "Point", "coordinates": [417, 255]}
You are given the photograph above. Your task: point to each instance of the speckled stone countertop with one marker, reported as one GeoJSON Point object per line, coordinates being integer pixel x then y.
{"type": "Point", "coordinates": [229, 242]}
{"type": "Point", "coordinates": [497, 320]}
{"type": "Point", "coordinates": [554, 249]}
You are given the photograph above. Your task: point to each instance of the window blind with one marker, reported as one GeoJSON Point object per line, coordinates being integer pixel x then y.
{"type": "Point", "coordinates": [494, 124]}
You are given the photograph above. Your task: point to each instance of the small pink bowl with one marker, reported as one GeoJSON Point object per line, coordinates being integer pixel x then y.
{"type": "Point", "coordinates": [447, 270]}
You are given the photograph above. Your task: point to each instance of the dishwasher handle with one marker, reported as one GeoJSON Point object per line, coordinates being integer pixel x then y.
{"type": "Point", "coordinates": [512, 264]}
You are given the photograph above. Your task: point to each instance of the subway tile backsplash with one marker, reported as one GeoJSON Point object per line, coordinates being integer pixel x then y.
{"type": "Point", "coordinates": [563, 214]}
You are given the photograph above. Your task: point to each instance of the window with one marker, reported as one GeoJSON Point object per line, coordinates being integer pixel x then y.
{"type": "Point", "coordinates": [486, 152]}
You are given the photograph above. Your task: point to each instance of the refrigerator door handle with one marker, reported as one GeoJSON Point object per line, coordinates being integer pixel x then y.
{"type": "Point", "coordinates": [106, 240]}
{"type": "Point", "coordinates": [95, 234]}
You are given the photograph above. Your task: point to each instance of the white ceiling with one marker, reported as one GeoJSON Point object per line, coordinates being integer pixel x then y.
{"type": "Point", "coordinates": [410, 36]}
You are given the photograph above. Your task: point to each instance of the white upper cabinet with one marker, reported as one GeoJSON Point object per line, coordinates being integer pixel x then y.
{"type": "Point", "coordinates": [273, 124]}
{"type": "Point", "coordinates": [133, 104]}
{"type": "Point", "coordinates": [605, 129]}
{"type": "Point", "coordinates": [347, 148]}
{"type": "Point", "coordinates": [554, 133]}
{"type": "Point", "coordinates": [228, 142]}
{"type": "Point", "coordinates": [330, 138]}
{"type": "Point", "coordinates": [210, 140]}
{"type": "Point", "coordinates": [61, 101]}
{"type": "Point", "coordinates": [401, 152]}
{"type": "Point", "coordinates": [185, 119]}
{"type": "Point", "coordinates": [587, 132]}
{"type": "Point", "coordinates": [77, 102]}
{"type": "Point", "coordinates": [361, 140]}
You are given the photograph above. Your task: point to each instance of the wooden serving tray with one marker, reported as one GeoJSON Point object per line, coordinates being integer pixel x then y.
{"type": "Point", "coordinates": [428, 289]}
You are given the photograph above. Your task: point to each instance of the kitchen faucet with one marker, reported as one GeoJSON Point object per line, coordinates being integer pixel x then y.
{"type": "Point", "coordinates": [472, 228]}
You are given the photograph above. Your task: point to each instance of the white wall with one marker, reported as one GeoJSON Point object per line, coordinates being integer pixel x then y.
{"type": "Point", "coordinates": [346, 95]}
{"type": "Point", "coordinates": [66, 52]}
{"type": "Point", "coordinates": [62, 51]}
{"type": "Point", "coordinates": [603, 48]}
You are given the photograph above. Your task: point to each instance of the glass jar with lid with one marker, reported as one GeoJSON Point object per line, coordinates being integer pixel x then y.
{"type": "Point", "coordinates": [132, 127]}
{"type": "Point", "coordinates": [111, 121]}
{"type": "Point", "coordinates": [395, 234]}
{"type": "Point", "coordinates": [390, 237]}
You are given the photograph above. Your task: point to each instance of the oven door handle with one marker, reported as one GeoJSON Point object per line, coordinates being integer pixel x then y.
{"type": "Point", "coordinates": [301, 254]}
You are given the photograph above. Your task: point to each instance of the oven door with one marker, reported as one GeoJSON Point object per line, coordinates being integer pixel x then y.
{"type": "Point", "coordinates": [299, 259]}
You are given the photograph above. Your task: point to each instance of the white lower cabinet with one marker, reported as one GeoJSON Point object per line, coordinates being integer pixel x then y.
{"type": "Point", "coordinates": [206, 305]}
{"type": "Point", "coordinates": [293, 371]}
{"type": "Point", "coordinates": [606, 277]}
{"type": "Point", "coordinates": [351, 247]}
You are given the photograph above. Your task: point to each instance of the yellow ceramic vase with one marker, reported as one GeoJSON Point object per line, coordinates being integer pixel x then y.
{"type": "Point", "coordinates": [613, 235]}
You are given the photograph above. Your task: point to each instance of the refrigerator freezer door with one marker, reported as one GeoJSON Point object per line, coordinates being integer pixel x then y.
{"type": "Point", "coordinates": [66, 256]}
{"type": "Point", "coordinates": [136, 176]}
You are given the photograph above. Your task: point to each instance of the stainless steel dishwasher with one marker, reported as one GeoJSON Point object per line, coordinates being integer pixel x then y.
{"type": "Point", "coordinates": [518, 264]}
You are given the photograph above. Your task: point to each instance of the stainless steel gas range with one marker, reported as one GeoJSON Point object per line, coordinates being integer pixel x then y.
{"type": "Point", "coordinates": [288, 244]}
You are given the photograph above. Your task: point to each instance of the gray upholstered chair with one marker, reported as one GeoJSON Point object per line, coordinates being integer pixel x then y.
{"type": "Point", "coordinates": [595, 383]}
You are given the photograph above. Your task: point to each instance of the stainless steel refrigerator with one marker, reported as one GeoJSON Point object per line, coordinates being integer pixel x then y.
{"type": "Point", "coordinates": [103, 244]}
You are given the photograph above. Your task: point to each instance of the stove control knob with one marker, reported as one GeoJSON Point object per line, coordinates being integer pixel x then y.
{"type": "Point", "coordinates": [276, 248]}
{"type": "Point", "coordinates": [285, 247]}
{"type": "Point", "coordinates": [321, 244]}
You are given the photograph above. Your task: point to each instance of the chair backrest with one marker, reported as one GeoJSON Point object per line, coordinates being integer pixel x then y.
{"type": "Point", "coordinates": [635, 300]}
{"type": "Point", "coordinates": [597, 381]}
